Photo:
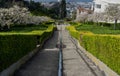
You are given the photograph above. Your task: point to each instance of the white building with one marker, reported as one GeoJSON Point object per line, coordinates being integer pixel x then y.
{"type": "Point", "coordinates": [100, 5]}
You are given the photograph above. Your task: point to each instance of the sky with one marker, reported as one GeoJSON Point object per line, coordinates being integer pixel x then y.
{"type": "Point", "coordinates": [66, 0]}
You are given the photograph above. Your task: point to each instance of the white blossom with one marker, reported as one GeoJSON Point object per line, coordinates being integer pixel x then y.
{"type": "Point", "coordinates": [17, 15]}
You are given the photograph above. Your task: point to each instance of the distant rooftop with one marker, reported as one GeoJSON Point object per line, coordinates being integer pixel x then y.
{"type": "Point", "coordinates": [59, 0]}
{"type": "Point", "coordinates": [110, 1]}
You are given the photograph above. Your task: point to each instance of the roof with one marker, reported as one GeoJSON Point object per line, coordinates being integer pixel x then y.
{"type": "Point", "coordinates": [110, 1]}
{"type": "Point", "coordinates": [81, 9]}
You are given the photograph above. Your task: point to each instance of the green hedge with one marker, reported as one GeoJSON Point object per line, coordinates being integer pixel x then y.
{"type": "Point", "coordinates": [104, 47]}
{"type": "Point", "coordinates": [73, 31]}
{"type": "Point", "coordinates": [47, 33]}
{"type": "Point", "coordinates": [13, 46]}
{"type": "Point", "coordinates": [110, 25]}
{"type": "Point", "coordinates": [75, 23]}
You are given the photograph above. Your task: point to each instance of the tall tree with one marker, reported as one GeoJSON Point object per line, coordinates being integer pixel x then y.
{"type": "Point", "coordinates": [113, 12]}
{"type": "Point", "coordinates": [9, 3]}
{"type": "Point", "coordinates": [63, 9]}
{"type": "Point", "coordinates": [14, 1]}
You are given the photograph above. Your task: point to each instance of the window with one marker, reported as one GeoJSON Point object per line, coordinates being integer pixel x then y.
{"type": "Point", "coordinates": [98, 6]}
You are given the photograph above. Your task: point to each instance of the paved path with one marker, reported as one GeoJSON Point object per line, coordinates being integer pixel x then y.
{"type": "Point", "coordinates": [73, 63]}
{"type": "Point", "coordinates": [44, 63]}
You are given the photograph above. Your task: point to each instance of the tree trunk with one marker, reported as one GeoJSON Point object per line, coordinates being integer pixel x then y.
{"type": "Point", "coordinates": [8, 27]}
{"type": "Point", "coordinates": [115, 24]}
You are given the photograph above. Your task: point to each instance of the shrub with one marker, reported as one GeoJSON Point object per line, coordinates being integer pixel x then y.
{"type": "Point", "coordinates": [75, 23]}
{"type": "Point", "coordinates": [104, 47]}
{"type": "Point", "coordinates": [47, 34]}
{"type": "Point", "coordinates": [73, 31]}
{"type": "Point", "coordinates": [105, 24]}
{"type": "Point", "coordinates": [97, 29]}
{"type": "Point", "coordinates": [13, 46]}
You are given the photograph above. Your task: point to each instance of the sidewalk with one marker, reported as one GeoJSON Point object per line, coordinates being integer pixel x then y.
{"type": "Point", "coordinates": [44, 63]}
{"type": "Point", "coordinates": [72, 62]}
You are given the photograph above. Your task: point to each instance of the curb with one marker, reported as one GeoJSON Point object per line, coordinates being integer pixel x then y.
{"type": "Point", "coordinates": [103, 67]}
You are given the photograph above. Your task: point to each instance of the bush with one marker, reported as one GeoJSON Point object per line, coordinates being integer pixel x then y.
{"type": "Point", "coordinates": [47, 34]}
{"type": "Point", "coordinates": [104, 47]}
{"type": "Point", "coordinates": [105, 24]}
{"type": "Point", "coordinates": [110, 25]}
{"type": "Point", "coordinates": [75, 23]}
{"type": "Point", "coordinates": [89, 22]}
{"type": "Point", "coordinates": [73, 31]}
{"type": "Point", "coordinates": [50, 22]}
{"type": "Point", "coordinates": [97, 29]}
{"type": "Point", "coordinates": [13, 46]}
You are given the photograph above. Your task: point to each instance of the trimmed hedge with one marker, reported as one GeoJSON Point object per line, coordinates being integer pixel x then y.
{"type": "Point", "coordinates": [97, 29]}
{"type": "Point", "coordinates": [104, 47]}
{"type": "Point", "coordinates": [73, 31]}
{"type": "Point", "coordinates": [76, 33]}
{"type": "Point", "coordinates": [47, 34]}
{"type": "Point", "coordinates": [110, 25]}
{"type": "Point", "coordinates": [75, 23]}
{"type": "Point", "coordinates": [13, 46]}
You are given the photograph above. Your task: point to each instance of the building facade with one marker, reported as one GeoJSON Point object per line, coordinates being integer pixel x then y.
{"type": "Point", "coordinates": [99, 6]}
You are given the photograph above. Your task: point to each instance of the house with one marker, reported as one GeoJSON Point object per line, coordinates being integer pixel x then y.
{"type": "Point", "coordinates": [99, 6]}
{"type": "Point", "coordinates": [82, 13]}
{"type": "Point", "coordinates": [81, 10]}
